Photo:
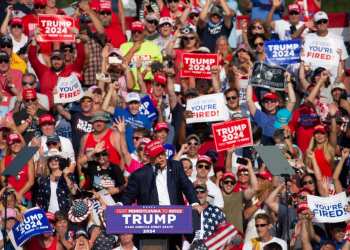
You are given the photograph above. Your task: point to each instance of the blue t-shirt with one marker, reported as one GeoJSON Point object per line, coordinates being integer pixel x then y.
{"type": "Point", "coordinates": [133, 121]}
{"type": "Point", "coordinates": [233, 5]}
{"type": "Point", "coordinates": [261, 9]}
{"type": "Point", "coordinates": [266, 122]}
{"type": "Point", "coordinates": [338, 245]}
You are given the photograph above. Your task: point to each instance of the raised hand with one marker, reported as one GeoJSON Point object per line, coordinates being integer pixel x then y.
{"type": "Point", "coordinates": [99, 146]}
{"type": "Point", "coordinates": [120, 124]}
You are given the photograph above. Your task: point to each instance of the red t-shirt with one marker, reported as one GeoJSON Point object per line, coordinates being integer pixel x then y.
{"type": "Point", "coordinates": [60, 12]}
{"type": "Point", "coordinates": [115, 32]}
{"type": "Point", "coordinates": [30, 22]}
{"type": "Point", "coordinates": [323, 164]}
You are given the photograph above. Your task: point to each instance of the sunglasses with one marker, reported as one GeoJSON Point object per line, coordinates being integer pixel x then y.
{"type": "Point", "coordinates": [53, 159]}
{"type": "Point", "coordinates": [108, 13]}
{"type": "Point", "coordinates": [189, 143]}
{"type": "Point", "coordinates": [234, 97]}
{"type": "Point", "coordinates": [86, 100]}
{"type": "Point", "coordinates": [68, 50]}
{"type": "Point", "coordinates": [16, 26]}
{"type": "Point", "coordinates": [8, 46]}
{"type": "Point", "coordinates": [228, 181]}
{"type": "Point", "coordinates": [30, 83]}
{"type": "Point", "coordinates": [104, 153]}
{"type": "Point", "coordinates": [39, 6]}
{"type": "Point", "coordinates": [175, 1]}
{"type": "Point", "coordinates": [302, 197]}
{"type": "Point", "coordinates": [202, 191]}
{"type": "Point", "coordinates": [258, 44]}
{"type": "Point", "coordinates": [257, 27]}
{"type": "Point", "coordinates": [136, 138]}
{"type": "Point", "coordinates": [323, 21]}
{"type": "Point", "coordinates": [243, 173]}
{"type": "Point", "coordinates": [153, 22]}
{"type": "Point", "coordinates": [165, 24]}
{"type": "Point", "coordinates": [188, 38]}
{"type": "Point", "coordinates": [200, 166]}
{"type": "Point", "coordinates": [260, 225]}
{"type": "Point", "coordinates": [141, 148]}
{"type": "Point", "coordinates": [4, 61]}
{"type": "Point", "coordinates": [136, 31]}
{"type": "Point", "coordinates": [297, 171]}
{"type": "Point", "coordinates": [306, 182]}
{"type": "Point", "coordinates": [30, 99]}
{"type": "Point", "coordinates": [193, 16]}
{"type": "Point", "coordinates": [294, 13]}
{"type": "Point", "coordinates": [269, 100]}
{"type": "Point", "coordinates": [51, 144]}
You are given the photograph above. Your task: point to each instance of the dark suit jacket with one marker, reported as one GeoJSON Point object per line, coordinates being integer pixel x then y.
{"type": "Point", "coordinates": [141, 186]}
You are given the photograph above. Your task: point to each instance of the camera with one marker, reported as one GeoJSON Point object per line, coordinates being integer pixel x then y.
{"type": "Point", "coordinates": [185, 31]}
{"type": "Point", "coordinates": [103, 77]}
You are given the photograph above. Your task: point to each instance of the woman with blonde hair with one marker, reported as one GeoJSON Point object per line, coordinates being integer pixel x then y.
{"type": "Point", "coordinates": [324, 146]}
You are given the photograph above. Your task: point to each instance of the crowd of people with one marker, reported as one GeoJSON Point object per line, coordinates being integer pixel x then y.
{"type": "Point", "coordinates": [104, 144]}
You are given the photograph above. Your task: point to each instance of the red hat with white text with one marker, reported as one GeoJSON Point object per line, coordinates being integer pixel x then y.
{"type": "Point", "coordinates": [16, 20]}
{"type": "Point", "coordinates": [204, 158]}
{"type": "Point", "coordinates": [137, 25]}
{"type": "Point", "coordinates": [159, 78]}
{"type": "Point", "coordinates": [321, 128]}
{"type": "Point", "coordinates": [160, 126]}
{"type": "Point", "coordinates": [29, 93]}
{"type": "Point", "coordinates": [294, 7]}
{"type": "Point", "coordinates": [265, 175]}
{"type": "Point", "coordinates": [105, 6]}
{"type": "Point", "coordinates": [302, 206]}
{"type": "Point", "coordinates": [95, 5]}
{"type": "Point", "coordinates": [47, 118]}
{"type": "Point", "coordinates": [154, 148]}
{"type": "Point", "coordinates": [11, 138]}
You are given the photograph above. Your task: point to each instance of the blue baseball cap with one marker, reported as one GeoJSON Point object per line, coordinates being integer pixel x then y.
{"type": "Point", "coordinates": [282, 117]}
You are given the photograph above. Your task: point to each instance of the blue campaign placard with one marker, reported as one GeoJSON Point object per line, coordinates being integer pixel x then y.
{"type": "Point", "coordinates": [147, 108]}
{"type": "Point", "coordinates": [283, 52]}
{"type": "Point", "coordinates": [35, 223]}
{"type": "Point", "coordinates": [170, 150]}
{"type": "Point", "coordinates": [149, 219]}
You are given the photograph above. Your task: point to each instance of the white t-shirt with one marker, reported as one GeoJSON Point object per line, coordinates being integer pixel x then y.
{"type": "Point", "coordinates": [248, 245]}
{"type": "Point", "coordinates": [194, 163]}
{"type": "Point", "coordinates": [20, 44]}
{"type": "Point", "coordinates": [214, 196]}
{"type": "Point", "coordinates": [282, 28]}
{"type": "Point", "coordinates": [53, 207]}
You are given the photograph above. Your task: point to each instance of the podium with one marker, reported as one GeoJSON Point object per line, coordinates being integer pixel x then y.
{"type": "Point", "coordinates": [154, 227]}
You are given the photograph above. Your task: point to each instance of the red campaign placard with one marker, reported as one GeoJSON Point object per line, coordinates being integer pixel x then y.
{"type": "Point", "coordinates": [198, 65]}
{"type": "Point", "coordinates": [55, 28]}
{"type": "Point", "coordinates": [229, 133]}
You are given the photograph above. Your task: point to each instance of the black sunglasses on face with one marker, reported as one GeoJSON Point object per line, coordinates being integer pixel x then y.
{"type": "Point", "coordinates": [165, 24]}
{"type": "Point", "coordinates": [260, 225]}
{"type": "Point", "coordinates": [306, 182]}
{"type": "Point", "coordinates": [6, 46]}
{"type": "Point", "coordinates": [30, 83]}
{"type": "Point", "coordinates": [257, 27]}
{"type": "Point", "coordinates": [39, 6]}
{"type": "Point", "coordinates": [141, 148]}
{"type": "Point", "coordinates": [153, 22]}
{"type": "Point", "coordinates": [202, 191]}
{"type": "Point", "coordinates": [234, 97]}
{"type": "Point", "coordinates": [269, 100]}
{"type": "Point", "coordinates": [136, 31]}
{"type": "Point", "coordinates": [53, 159]}
{"type": "Point", "coordinates": [258, 44]}
{"type": "Point", "coordinates": [188, 38]}
{"type": "Point", "coordinates": [136, 138]}
{"type": "Point", "coordinates": [294, 13]}
{"type": "Point", "coordinates": [194, 15]}
{"type": "Point", "coordinates": [189, 143]}
{"type": "Point", "coordinates": [16, 26]}
{"type": "Point", "coordinates": [322, 21]}
{"type": "Point", "coordinates": [104, 153]}
{"type": "Point", "coordinates": [30, 99]}
{"type": "Point", "coordinates": [67, 50]}
{"type": "Point", "coordinates": [51, 143]}
{"type": "Point", "coordinates": [200, 166]}
{"type": "Point", "coordinates": [175, 1]}
{"type": "Point", "coordinates": [228, 181]}
{"type": "Point", "coordinates": [4, 61]}
{"type": "Point", "coordinates": [105, 13]}
{"type": "Point", "coordinates": [302, 197]}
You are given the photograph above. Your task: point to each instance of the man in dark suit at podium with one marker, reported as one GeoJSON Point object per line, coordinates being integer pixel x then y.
{"type": "Point", "coordinates": [171, 182]}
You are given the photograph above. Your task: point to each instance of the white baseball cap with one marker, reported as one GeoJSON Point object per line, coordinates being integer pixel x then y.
{"type": "Point", "coordinates": [320, 15]}
{"type": "Point", "coordinates": [133, 97]}
{"type": "Point", "coordinates": [338, 85]}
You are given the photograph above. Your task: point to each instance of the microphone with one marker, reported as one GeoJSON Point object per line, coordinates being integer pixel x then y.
{"type": "Point", "coordinates": [156, 168]}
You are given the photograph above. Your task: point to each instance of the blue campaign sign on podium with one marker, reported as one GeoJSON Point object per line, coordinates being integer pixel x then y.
{"type": "Point", "coordinates": [149, 219]}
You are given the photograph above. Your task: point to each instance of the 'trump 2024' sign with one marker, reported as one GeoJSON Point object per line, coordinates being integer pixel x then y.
{"type": "Point", "coordinates": [55, 28]}
{"type": "Point", "coordinates": [149, 219]}
{"type": "Point", "coordinates": [198, 65]}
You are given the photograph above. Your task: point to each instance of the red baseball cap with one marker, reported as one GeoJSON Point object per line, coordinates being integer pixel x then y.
{"type": "Point", "coordinates": [160, 126]}
{"type": "Point", "coordinates": [137, 25]}
{"type": "Point", "coordinates": [4, 126]}
{"type": "Point", "coordinates": [105, 6]}
{"type": "Point", "coordinates": [50, 216]}
{"type": "Point", "coordinates": [240, 168]}
{"type": "Point", "coordinates": [204, 158]}
{"type": "Point", "coordinates": [29, 93]}
{"type": "Point", "coordinates": [43, 2]}
{"type": "Point", "coordinates": [160, 79]}
{"type": "Point", "coordinates": [302, 206]}
{"type": "Point", "coordinates": [228, 174]}
{"type": "Point", "coordinates": [304, 189]}
{"type": "Point", "coordinates": [46, 118]}
{"type": "Point", "coordinates": [265, 175]}
{"type": "Point", "coordinates": [294, 7]}
{"type": "Point", "coordinates": [11, 138]}
{"type": "Point", "coordinates": [154, 148]}
{"type": "Point", "coordinates": [310, 86]}
{"type": "Point", "coordinates": [270, 95]}
{"type": "Point", "coordinates": [320, 127]}
{"type": "Point", "coordinates": [16, 20]}
{"type": "Point", "coordinates": [95, 5]}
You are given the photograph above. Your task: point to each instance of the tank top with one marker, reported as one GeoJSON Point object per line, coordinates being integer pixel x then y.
{"type": "Point", "coordinates": [22, 178]}
{"type": "Point", "coordinates": [326, 169]}
{"type": "Point", "coordinates": [35, 245]}
{"type": "Point", "coordinates": [91, 143]}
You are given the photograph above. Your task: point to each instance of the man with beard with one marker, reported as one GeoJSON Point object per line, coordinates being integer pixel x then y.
{"type": "Point", "coordinates": [100, 133]}
{"type": "Point", "coordinates": [132, 116]}
{"type": "Point", "coordinates": [95, 41]}
{"type": "Point", "coordinates": [233, 201]}
{"type": "Point", "coordinates": [49, 76]}
{"type": "Point", "coordinates": [27, 120]}
{"type": "Point", "coordinates": [68, 51]}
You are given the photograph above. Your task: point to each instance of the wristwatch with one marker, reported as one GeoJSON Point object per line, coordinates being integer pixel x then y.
{"type": "Point", "coordinates": [286, 137]}
{"type": "Point", "coordinates": [11, 86]}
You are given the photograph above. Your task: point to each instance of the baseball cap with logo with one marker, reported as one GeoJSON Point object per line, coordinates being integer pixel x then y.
{"type": "Point", "coordinates": [43, 2]}
{"type": "Point", "coordinates": [131, 97]}
{"type": "Point", "coordinates": [294, 7]}
{"type": "Point", "coordinates": [270, 95]}
{"type": "Point", "coordinates": [88, 94]}
{"type": "Point", "coordinates": [321, 128]}
{"type": "Point", "coordinates": [200, 184]}
{"type": "Point", "coordinates": [338, 85]}
{"type": "Point", "coordinates": [242, 46]}
{"type": "Point", "coordinates": [165, 20]}
{"type": "Point", "coordinates": [216, 9]}
{"type": "Point", "coordinates": [204, 158]}
{"type": "Point", "coordinates": [137, 25]}
{"type": "Point", "coordinates": [304, 189]}
{"type": "Point", "coordinates": [160, 126]}
{"type": "Point", "coordinates": [152, 16]}
{"type": "Point", "coordinates": [57, 53]}
{"type": "Point", "coordinates": [65, 45]}
{"type": "Point", "coordinates": [282, 117]}
{"type": "Point", "coordinates": [302, 206]}
{"type": "Point", "coordinates": [53, 138]}
{"type": "Point", "coordinates": [47, 118]}
{"type": "Point", "coordinates": [93, 88]}
{"type": "Point", "coordinates": [265, 175]}
{"type": "Point", "coordinates": [116, 51]}
{"type": "Point", "coordinates": [29, 93]}
{"type": "Point", "coordinates": [195, 10]}
{"type": "Point", "coordinates": [105, 6]}
{"type": "Point", "coordinates": [228, 174]}
{"type": "Point", "coordinates": [80, 232]}
{"type": "Point", "coordinates": [85, 17]}
{"type": "Point", "coordinates": [193, 136]}
{"type": "Point", "coordinates": [154, 148]}
{"type": "Point", "coordinates": [50, 216]}
{"type": "Point", "coordinates": [6, 40]}
{"type": "Point", "coordinates": [144, 140]}
{"type": "Point", "coordinates": [16, 20]}
{"type": "Point", "coordinates": [320, 15]}
{"type": "Point", "coordinates": [4, 55]}
{"type": "Point", "coordinates": [11, 138]}
{"type": "Point", "coordinates": [95, 5]}
{"type": "Point", "coordinates": [159, 78]}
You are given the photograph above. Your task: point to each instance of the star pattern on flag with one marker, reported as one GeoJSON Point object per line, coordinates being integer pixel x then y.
{"type": "Point", "coordinates": [212, 216]}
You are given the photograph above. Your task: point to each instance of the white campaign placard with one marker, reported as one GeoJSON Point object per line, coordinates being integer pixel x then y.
{"type": "Point", "coordinates": [321, 50]}
{"type": "Point", "coordinates": [69, 89]}
{"type": "Point", "coordinates": [207, 108]}
{"type": "Point", "coordinates": [328, 209]}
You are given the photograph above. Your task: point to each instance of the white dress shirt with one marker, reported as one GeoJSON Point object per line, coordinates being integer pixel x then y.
{"type": "Point", "coordinates": [162, 187]}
